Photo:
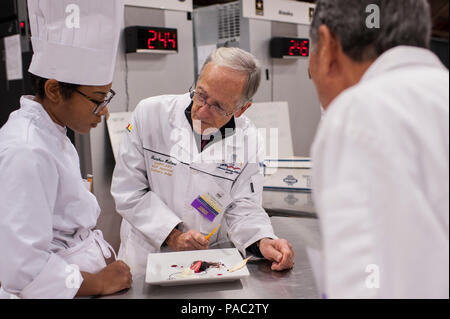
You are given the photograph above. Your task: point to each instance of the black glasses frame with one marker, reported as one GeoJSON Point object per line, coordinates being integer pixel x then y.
{"type": "Point", "coordinates": [99, 106]}
{"type": "Point", "coordinates": [217, 108]}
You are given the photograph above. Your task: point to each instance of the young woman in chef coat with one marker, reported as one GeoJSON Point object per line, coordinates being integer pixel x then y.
{"type": "Point", "coordinates": [47, 213]}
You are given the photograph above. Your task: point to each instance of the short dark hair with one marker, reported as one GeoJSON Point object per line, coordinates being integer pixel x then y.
{"type": "Point", "coordinates": [402, 22]}
{"type": "Point", "coordinates": [38, 84]}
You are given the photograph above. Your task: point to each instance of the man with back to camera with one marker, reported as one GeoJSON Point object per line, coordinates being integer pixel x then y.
{"type": "Point", "coordinates": [184, 152]}
{"type": "Point", "coordinates": [381, 154]}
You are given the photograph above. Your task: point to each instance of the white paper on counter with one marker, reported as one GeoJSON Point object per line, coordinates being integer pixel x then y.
{"type": "Point", "coordinates": [117, 125]}
{"type": "Point", "coordinates": [273, 118]}
{"type": "Point", "coordinates": [13, 58]}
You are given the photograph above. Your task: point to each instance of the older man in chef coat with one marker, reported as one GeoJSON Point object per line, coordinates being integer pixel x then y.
{"type": "Point", "coordinates": [381, 155]}
{"type": "Point", "coordinates": [189, 163]}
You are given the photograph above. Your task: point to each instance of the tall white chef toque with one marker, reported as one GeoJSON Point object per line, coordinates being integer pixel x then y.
{"type": "Point", "coordinates": [75, 41]}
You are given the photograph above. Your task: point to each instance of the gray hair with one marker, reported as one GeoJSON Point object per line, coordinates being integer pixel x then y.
{"type": "Point", "coordinates": [402, 22]}
{"type": "Point", "coordinates": [238, 60]}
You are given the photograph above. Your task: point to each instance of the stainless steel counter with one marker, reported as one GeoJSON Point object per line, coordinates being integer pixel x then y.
{"type": "Point", "coordinates": [288, 203]}
{"type": "Point", "coordinates": [263, 283]}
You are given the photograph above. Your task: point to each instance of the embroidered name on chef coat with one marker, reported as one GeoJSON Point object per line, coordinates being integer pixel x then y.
{"type": "Point", "coordinates": [162, 166]}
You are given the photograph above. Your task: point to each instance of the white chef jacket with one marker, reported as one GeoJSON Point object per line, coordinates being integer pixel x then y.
{"type": "Point", "coordinates": [46, 210]}
{"type": "Point", "coordinates": [160, 171]}
{"type": "Point", "coordinates": [381, 181]}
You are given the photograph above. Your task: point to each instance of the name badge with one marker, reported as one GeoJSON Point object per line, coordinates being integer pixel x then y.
{"type": "Point", "coordinates": [210, 205]}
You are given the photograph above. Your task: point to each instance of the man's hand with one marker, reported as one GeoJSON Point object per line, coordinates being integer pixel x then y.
{"type": "Point", "coordinates": [190, 240]}
{"type": "Point", "coordinates": [278, 251]}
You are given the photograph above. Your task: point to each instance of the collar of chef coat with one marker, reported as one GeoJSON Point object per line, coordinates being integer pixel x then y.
{"type": "Point", "coordinates": [401, 57]}
{"type": "Point", "coordinates": [232, 145]}
{"type": "Point", "coordinates": [225, 131]}
{"type": "Point", "coordinates": [29, 105]}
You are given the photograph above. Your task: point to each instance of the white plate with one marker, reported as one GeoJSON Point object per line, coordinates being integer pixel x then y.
{"type": "Point", "coordinates": [165, 269]}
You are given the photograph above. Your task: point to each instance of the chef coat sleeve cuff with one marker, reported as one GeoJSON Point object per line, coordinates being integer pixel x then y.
{"type": "Point", "coordinates": [172, 226]}
{"type": "Point", "coordinates": [58, 279]}
{"type": "Point", "coordinates": [243, 247]}
{"type": "Point", "coordinates": [254, 250]}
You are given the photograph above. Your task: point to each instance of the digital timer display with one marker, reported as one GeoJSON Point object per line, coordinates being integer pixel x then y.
{"type": "Point", "coordinates": [151, 40]}
{"type": "Point", "coordinates": [289, 47]}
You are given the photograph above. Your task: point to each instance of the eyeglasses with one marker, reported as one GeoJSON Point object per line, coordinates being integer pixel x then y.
{"type": "Point", "coordinates": [201, 98]}
{"type": "Point", "coordinates": [99, 106]}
